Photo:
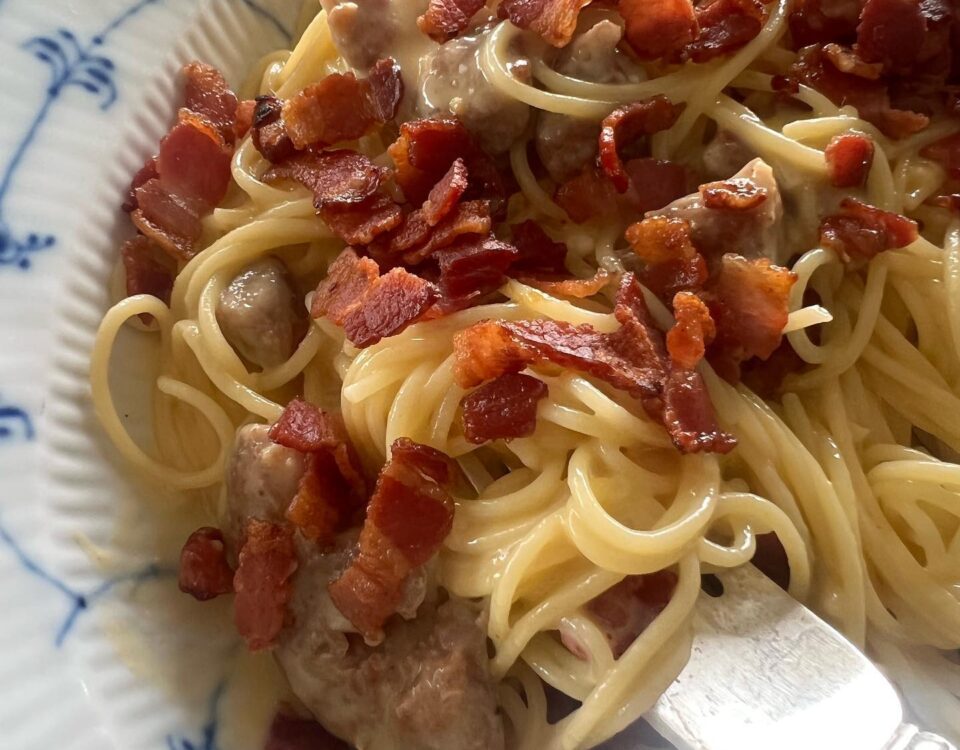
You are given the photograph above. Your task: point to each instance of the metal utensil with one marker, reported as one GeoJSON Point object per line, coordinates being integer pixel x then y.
{"type": "Point", "coordinates": [765, 673]}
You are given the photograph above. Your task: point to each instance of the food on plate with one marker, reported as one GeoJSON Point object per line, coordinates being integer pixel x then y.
{"type": "Point", "coordinates": [486, 329]}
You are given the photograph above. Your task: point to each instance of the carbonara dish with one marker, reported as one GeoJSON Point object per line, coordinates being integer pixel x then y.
{"type": "Point", "coordinates": [487, 329]}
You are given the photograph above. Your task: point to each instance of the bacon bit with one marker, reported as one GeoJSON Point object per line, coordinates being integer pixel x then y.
{"type": "Point", "coordinates": [626, 609]}
{"type": "Point", "coordinates": [360, 223]}
{"type": "Point", "coordinates": [735, 194]}
{"type": "Point", "coordinates": [207, 94]}
{"type": "Point", "coordinates": [323, 505]}
{"type": "Point", "coordinates": [269, 133]}
{"type": "Point", "coordinates": [471, 269]}
{"type": "Point", "coordinates": [148, 269]}
{"type": "Point", "coordinates": [445, 19]}
{"type": "Point", "coordinates": [467, 218]}
{"type": "Point", "coordinates": [672, 262]}
{"type": "Point", "coordinates": [446, 193]}
{"type": "Point", "coordinates": [576, 288]}
{"type": "Point", "coordinates": [554, 20]}
{"type": "Point", "coordinates": [335, 177]}
{"type": "Point", "coordinates": [693, 331]}
{"type": "Point", "coordinates": [171, 224]}
{"type": "Point", "coordinates": [625, 125]}
{"type": "Point", "coordinates": [861, 231]}
{"type": "Point", "coordinates": [891, 32]}
{"type": "Point", "coordinates": [950, 202]}
{"type": "Point", "coordinates": [946, 151]}
{"type": "Point", "coordinates": [194, 165]}
{"type": "Point", "coordinates": [725, 26]}
{"type": "Point", "coordinates": [368, 306]}
{"type": "Point", "coordinates": [689, 416]}
{"type": "Point", "coordinates": [504, 408]}
{"type": "Point", "coordinates": [293, 733]}
{"type": "Point", "coordinates": [847, 61]}
{"type": "Point", "coordinates": [244, 118]}
{"type": "Point", "coordinates": [385, 89]}
{"type": "Point", "coordinates": [485, 351]}
{"type": "Point", "coordinates": [587, 196]}
{"type": "Point", "coordinates": [267, 562]}
{"type": "Point", "coordinates": [849, 158]}
{"type": "Point", "coordinates": [146, 173]}
{"type": "Point", "coordinates": [536, 252]}
{"type": "Point", "coordinates": [749, 301]}
{"type": "Point", "coordinates": [409, 516]}
{"type": "Point", "coordinates": [659, 28]}
{"type": "Point", "coordinates": [654, 184]}
{"type": "Point", "coordinates": [821, 21]}
{"type": "Point", "coordinates": [204, 571]}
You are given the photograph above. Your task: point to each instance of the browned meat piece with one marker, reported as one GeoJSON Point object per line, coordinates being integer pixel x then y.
{"type": "Point", "coordinates": [260, 314]}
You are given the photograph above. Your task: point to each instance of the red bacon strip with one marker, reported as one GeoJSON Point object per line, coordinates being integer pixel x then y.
{"type": "Point", "coordinates": [627, 124]}
{"type": "Point", "coordinates": [725, 26]}
{"type": "Point", "coordinates": [263, 585]}
{"type": "Point", "coordinates": [335, 177]}
{"type": "Point", "coordinates": [847, 61]}
{"type": "Point", "coordinates": [445, 195]}
{"type": "Point", "coordinates": [849, 158]}
{"type": "Point", "coordinates": [204, 570]}
{"type": "Point", "coordinates": [672, 262]}
{"type": "Point", "coordinates": [693, 331]}
{"type": "Point", "coordinates": [735, 194]}
{"type": "Point", "coordinates": [654, 184]}
{"type": "Point", "coordinates": [576, 288]}
{"type": "Point", "coordinates": [471, 269]}
{"type": "Point", "coordinates": [659, 28]}
{"type": "Point", "coordinates": [626, 609]}
{"type": "Point", "coordinates": [368, 306]}
{"type": "Point", "coordinates": [503, 409]}
{"type": "Point", "coordinates": [859, 231]}
{"type": "Point", "coordinates": [293, 733]}
{"type": "Point", "coordinates": [148, 269]}
{"type": "Point", "coordinates": [409, 516]}
{"type": "Point", "coordinates": [418, 241]}
{"type": "Point", "coordinates": [554, 20]}
{"type": "Point", "coordinates": [269, 133]}
{"type": "Point", "coordinates": [361, 223]}
{"type": "Point", "coordinates": [821, 21]}
{"type": "Point", "coordinates": [208, 95]}
{"type": "Point", "coordinates": [587, 196]}
{"type": "Point", "coordinates": [445, 19]}
{"type": "Point", "coordinates": [536, 252]}
{"type": "Point", "coordinates": [892, 32]}
{"type": "Point", "coordinates": [946, 151]}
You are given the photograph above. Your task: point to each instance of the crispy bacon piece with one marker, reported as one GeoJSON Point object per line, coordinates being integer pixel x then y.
{"type": "Point", "coordinates": [849, 158]}
{"type": "Point", "coordinates": [821, 21]}
{"type": "Point", "coordinates": [204, 570]}
{"type": "Point", "coordinates": [418, 241]}
{"type": "Point", "coordinates": [689, 416]}
{"type": "Point", "coordinates": [749, 301]}
{"type": "Point", "coordinates": [860, 231]}
{"type": "Point", "coordinates": [244, 123]}
{"type": "Point", "coordinates": [570, 287]}
{"type": "Point", "coordinates": [693, 331]}
{"type": "Point", "coordinates": [536, 252]}
{"type": "Point", "coordinates": [194, 165]}
{"type": "Point", "coordinates": [486, 350]}
{"type": "Point", "coordinates": [335, 177]}
{"type": "Point", "coordinates": [891, 32]}
{"type": "Point", "coordinates": [368, 306]}
{"type": "Point", "coordinates": [735, 194]}
{"type": "Point", "coordinates": [625, 125]}
{"type": "Point", "coordinates": [554, 20]}
{"type": "Point", "coordinates": [293, 733]}
{"type": "Point", "coordinates": [672, 262]}
{"type": "Point", "coordinates": [361, 223]}
{"type": "Point", "coordinates": [626, 609]}
{"type": "Point", "coordinates": [409, 516]}
{"type": "Point", "coordinates": [725, 26]}
{"type": "Point", "coordinates": [208, 95]}
{"type": "Point", "coordinates": [946, 151]}
{"type": "Point", "coordinates": [342, 107]}
{"type": "Point", "coordinates": [654, 184]}
{"type": "Point", "coordinates": [587, 196]}
{"type": "Point", "coordinates": [445, 195]}
{"type": "Point", "coordinates": [148, 269]}
{"type": "Point", "coordinates": [269, 133]}
{"type": "Point", "coordinates": [146, 173]}
{"type": "Point", "coordinates": [471, 269]}
{"type": "Point", "coordinates": [659, 28]}
{"type": "Point", "coordinates": [847, 61]}
{"type": "Point", "coordinates": [267, 562]}
{"type": "Point", "coordinates": [323, 505]}
{"type": "Point", "coordinates": [503, 409]}
{"type": "Point", "coordinates": [445, 19]}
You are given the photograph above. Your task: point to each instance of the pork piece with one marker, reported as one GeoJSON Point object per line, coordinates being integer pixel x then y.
{"type": "Point", "coordinates": [566, 144]}
{"type": "Point", "coordinates": [752, 233]}
{"type": "Point", "coordinates": [453, 83]}
{"type": "Point", "coordinates": [261, 315]}
{"type": "Point", "coordinates": [725, 155]}
{"type": "Point", "coordinates": [362, 29]}
{"type": "Point", "coordinates": [426, 687]}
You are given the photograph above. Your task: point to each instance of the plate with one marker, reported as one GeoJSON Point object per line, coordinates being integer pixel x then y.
{"type": "Point", "coordinates": [89, 653]}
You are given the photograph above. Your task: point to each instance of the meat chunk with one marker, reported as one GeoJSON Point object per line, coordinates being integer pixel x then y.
{"type": "Point", "coordinates": [362, 30]}
{"type": "Point", "coordinates": [260, 314]}
{"type": "Point", "coordinates": [566, 144]}
{"type": "Point", "coordinates": [452, 82]}
{"type": "Point", "coordinates": [752, 233]}
{"type": "Point", "coordinates": [725, 155]}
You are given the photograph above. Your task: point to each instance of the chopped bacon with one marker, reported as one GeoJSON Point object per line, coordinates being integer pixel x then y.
{"type": "Point", "coordinates": [269, 133]}
{"type": "Point", "coordinates": [146, 173]}
{"type": "Point", "coordinates": [418, 241]}
{"type": "Point", "coordinates": [244, 123]}
{"type": "Point", "coordinates": [860, 231]}
{"type": "Point", "coordinates": [749, 301]}
{"type": "Point", "coordinates": [168, 222]}
{"type": "Point", "coordinates": [471, 269]}
{"type": "Point", "coordinates": [409, 516]}
{"type": "Point", "coordinates": [672, 262]}
{"type": "Point", "coordinates": [368, 306]}
{"type": "Point", "coordinates": [504, 408]}
{"type": "Point", "coordinates": [293, 733]}
{"type": "Point", "coordinates": [340, 176]}
{"type": "Point", "coordinates": [587, 196]}
{"type": "Point", "coordinates": [735, 194]}
{"type": "Point", "coordinates": [194, 165]}
{"type": "Point", "coordinates": [554, 20]}
{"type": "Point", "coordinates": [204, 570]}
{"type": "Point", "coordinates": [570, 287]}
{"type": "Point", "coordinates": [689, 416]}
{"type": "Point", "coordinates": [484, 351]}
{"type": "Point", "coordinates": [946, 151]}
{"type": "Point", "coordinates": [148, 269]}
{"type": "Point", "coordinates": [536, 252]}
{"type": "Point", "coordinates": [654, 183]}
{"type": "Point", "coordinates": [445, 19]}
{"type": "Point", "coordinates": [207, 95]}
{"type": "Point", "coordinates": [847, 61]}
{"type": "Point", "coordinates": [627, 124]}
{"type": "Point", "coordinates": [849, 157]}
{"type": "Point", "coordinates": [446, 193]}
{"type": "Point", "coordinates": [659, 28]}
{"type": "Point", "coordinates": [324, 504]}
{"type": "Point", "coordinates": [626, 609]}
{"type": "Point", "coordinates": [725, 26]}
{"type": "Point", "coordinates": [342, 107]}
{"type": "Point", "coordinates": [360, 223]}
{"type": "Point", "coordinates": [267, 562]}
{"type": "Point", "coordinates": [820, 21]}
{"type": "Point", "coordinates": [693, 331]}
{"type": "Point", "coordinates": [891, 32]}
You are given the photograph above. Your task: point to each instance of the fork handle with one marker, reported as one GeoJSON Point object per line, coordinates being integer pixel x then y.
{"type": "Point", "coordinates": [909, 737]}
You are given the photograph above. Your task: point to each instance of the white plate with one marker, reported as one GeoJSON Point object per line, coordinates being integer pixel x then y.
{"type": "Point", "coordinates": [89, 656]}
